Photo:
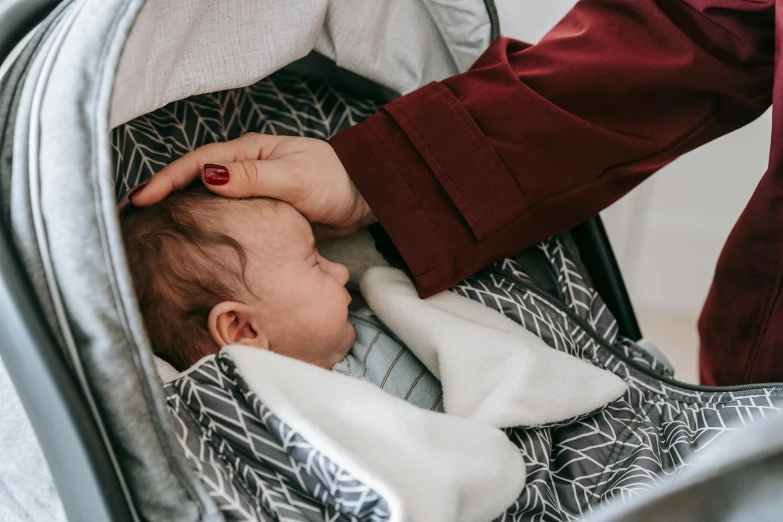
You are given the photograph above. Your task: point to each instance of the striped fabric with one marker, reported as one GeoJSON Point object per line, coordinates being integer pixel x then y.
{"type": "Point", "coordinates": [379, 357]}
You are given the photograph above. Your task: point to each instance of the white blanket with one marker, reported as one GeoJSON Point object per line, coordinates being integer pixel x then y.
{"type": "Point", "coordinates": [492, 369]}
{"type": "Point", "coordinates": [433, 467]}
{"type": "Point", "coordinates": [430, 467]}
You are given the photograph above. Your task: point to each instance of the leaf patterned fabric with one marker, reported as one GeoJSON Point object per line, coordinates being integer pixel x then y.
{"type": "Point", "coordinates": [283, 104]}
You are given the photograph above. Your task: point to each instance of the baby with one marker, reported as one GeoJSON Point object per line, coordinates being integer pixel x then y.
{"type": "Point", "coordinates": [212, 271]}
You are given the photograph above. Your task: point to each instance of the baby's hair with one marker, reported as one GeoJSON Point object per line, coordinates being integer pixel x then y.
{"type": "Point", "coordinates": [183, 264]}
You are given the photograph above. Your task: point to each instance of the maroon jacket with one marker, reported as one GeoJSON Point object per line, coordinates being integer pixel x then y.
{"type": "Point", "coordinates": [536, 139]}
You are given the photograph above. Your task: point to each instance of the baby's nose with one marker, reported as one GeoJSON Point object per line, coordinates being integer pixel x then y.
{"type": "Point", "coordinates": [342, 274]}
{"type": "Point", "coordinates": [338, 271]}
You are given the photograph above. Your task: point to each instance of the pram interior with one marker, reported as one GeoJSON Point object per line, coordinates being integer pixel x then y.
{"type": "Point", "coordinates": [74, 342]}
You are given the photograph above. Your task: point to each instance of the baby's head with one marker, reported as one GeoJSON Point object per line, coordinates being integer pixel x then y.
{"type": "Point", "coordinates": [212, 271]}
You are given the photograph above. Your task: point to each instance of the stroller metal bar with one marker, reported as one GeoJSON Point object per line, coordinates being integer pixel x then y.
{"type": "Point", "coordinates": [66, 431]}
{"type": "Point", "coordinates": [598, 257]}
{"type": "Point", "coordinates": [19, 17]}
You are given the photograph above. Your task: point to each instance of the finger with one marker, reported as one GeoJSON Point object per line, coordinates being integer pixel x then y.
{"type": "Point", "coordinates": [254, 178]}
{"type": "Point", "coordinates": [131, 193]}
{"type": "Point", "coordinates": [181, 172]}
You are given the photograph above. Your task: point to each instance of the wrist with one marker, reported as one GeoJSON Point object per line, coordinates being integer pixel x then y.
{"type": "Point", "coordinates": [361, 214]}
{"type": "Point", "coordinates": [366, 215]}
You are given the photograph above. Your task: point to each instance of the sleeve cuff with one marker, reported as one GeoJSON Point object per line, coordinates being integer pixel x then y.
{"type": "Point", "coordinates": [377, 172]}
{"type": "Point", "coordinates": [434, 183]}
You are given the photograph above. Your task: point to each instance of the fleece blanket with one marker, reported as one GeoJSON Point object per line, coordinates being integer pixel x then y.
{"type": "Point", "coordinates": [494, 373]}
{"type": "Point", "coordinates": [429, 467]}
{"type": "Point", "coordinates": [492, 369]}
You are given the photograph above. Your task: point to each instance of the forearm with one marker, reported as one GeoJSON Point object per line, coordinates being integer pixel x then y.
{"type": "Point", "coordinates": [534, 140]}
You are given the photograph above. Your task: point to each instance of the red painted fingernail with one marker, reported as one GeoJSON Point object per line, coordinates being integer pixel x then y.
{"type": "Point", "coordinates": [216, 174]}
{"type": "Point", "coordinates": [135, 192]}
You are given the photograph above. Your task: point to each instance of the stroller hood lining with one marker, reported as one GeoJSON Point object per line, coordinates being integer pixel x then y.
{"type": "Point", "coordinates": [181, 48]}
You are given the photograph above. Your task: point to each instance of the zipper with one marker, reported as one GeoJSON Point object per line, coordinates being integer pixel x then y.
{"type": "Point", "coordinates": [531, 286]}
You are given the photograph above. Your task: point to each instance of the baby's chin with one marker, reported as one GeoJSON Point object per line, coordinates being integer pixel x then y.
{"type": "Point", "coordinates": [350, 338]}
{"type": "Point", "coordinates": [344, 346]}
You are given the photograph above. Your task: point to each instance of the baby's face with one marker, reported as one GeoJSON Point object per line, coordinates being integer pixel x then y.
{"type": "Point", "coordinates": [302, 303]}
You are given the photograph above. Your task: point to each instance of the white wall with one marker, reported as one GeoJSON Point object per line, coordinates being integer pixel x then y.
{"type": "Point", "coordinates": [669, 231]}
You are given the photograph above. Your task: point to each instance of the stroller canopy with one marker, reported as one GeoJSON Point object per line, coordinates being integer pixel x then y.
{"type": "Point", "coordinates": [95, 64]}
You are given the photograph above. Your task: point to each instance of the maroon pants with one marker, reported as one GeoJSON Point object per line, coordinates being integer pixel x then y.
{"type": "Point", "coordinates": [534, 140]}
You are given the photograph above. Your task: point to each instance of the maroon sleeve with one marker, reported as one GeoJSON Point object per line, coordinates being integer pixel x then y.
{"type": "Point", "coordinates": [535, 139]}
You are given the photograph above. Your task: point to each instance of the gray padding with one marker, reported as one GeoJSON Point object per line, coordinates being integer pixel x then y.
{"type": "Point", "coordinates": [57, 225]}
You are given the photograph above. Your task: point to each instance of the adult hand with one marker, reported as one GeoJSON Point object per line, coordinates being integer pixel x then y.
{"type": "Point", "coordinates": [303, 172]}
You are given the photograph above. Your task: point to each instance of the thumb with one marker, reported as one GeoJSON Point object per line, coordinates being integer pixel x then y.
{"type": "Point", "coordinates": [251, 178]}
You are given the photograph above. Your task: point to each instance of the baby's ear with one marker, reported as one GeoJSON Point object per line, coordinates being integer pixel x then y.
{"type": "Point", "coordinates": [231, 322]}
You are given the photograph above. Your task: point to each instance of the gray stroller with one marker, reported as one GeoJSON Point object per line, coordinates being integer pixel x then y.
{"type": "Point", "coordinates": [97, 95]}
